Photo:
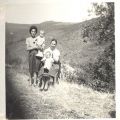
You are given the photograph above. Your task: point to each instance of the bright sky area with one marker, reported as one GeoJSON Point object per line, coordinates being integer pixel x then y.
{"type": "Point", "coordinates": [34, 11]}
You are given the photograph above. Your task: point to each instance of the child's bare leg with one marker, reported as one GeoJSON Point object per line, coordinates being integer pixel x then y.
{"type": "Point", "coordinates": [34, 78]}
{"type": "Point", "coordinates": [30, 79]}
{"type": "Point", "coordinates": [46, 83]}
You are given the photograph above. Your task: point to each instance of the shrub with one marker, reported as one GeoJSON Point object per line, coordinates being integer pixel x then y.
{"type": "Point", "coordinates": [101, 73]}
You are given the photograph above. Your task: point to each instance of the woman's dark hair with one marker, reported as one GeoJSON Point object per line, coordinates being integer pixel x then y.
{"type": "Point", "coordinates": [54, 40]}
{"type": "Point", "coordinates": [33, 27]}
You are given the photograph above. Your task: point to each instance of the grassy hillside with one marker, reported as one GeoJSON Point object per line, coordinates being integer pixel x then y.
{"type": "Point", "coordinates": [81, 52]}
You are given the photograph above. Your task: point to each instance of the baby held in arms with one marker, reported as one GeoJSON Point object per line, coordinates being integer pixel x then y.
{"type": "Point", "coordinates": [40, 43]}
{"type": "Point", "coordinates": [48, 61]}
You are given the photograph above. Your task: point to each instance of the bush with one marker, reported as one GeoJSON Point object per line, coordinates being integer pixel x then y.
{"type": "Point", "coordinates": [98, 74]}
{"type": "Point", "coordinates": [101, 73]}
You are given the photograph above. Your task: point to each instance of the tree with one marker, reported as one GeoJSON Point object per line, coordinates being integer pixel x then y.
{"type": "Point", "coordinates": [105, 11]}
{"type": "Point", "coordinates": [102, 9]}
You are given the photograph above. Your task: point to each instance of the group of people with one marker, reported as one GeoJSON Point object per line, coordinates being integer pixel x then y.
{"type": "Point", "coordinates": [38, 55]}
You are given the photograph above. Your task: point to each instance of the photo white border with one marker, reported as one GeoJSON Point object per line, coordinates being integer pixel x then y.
{"type": "Point", "coordinates": [2, 54]}
{"type": "Point", "coordinates": [2, 61]}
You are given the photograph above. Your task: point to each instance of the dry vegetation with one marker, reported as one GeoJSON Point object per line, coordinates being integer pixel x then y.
{"type": "Point", "coordinates": [62, 101]}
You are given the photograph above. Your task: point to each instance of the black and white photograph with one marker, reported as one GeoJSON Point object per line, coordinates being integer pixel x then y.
{"type": "Point", "coordinates": [60, 59]}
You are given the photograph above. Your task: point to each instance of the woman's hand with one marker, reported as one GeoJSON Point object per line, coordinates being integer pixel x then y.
{"type": "Point", "coordinates": [43, 59]}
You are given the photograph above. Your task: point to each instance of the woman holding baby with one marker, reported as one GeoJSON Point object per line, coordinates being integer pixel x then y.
{"type": "Point", "coordinates": [34, 46]}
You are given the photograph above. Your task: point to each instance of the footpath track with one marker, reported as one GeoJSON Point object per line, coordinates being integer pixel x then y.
{"type": "Point", "coordinates": [64, 100]}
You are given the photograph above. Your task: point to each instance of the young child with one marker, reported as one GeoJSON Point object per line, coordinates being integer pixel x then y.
{"type": "Point", "coordinates": [40, 43]}
{"type": "Point", "coordinates": [48, 61]}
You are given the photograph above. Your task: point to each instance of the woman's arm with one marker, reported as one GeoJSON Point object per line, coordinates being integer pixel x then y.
{"type": "Point", "coordinates": [56, 56]}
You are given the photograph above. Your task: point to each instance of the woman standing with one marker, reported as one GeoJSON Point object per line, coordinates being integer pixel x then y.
{"type": "Point", "coordinates": [32, 51]}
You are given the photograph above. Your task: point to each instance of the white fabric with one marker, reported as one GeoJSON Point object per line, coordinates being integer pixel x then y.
{"type": "Point", "coordinates": [31, 43]}
{"type": "Point", "coordinates": [54, 56]}
{"type": "Point", "coordinates": [55, 53]}
{"type": "Point", "coordinates": [48, 63]}
{"type": "Point", "coordinates": [40, 41]}
{"type": "Point", "coordinates": [39, 54]}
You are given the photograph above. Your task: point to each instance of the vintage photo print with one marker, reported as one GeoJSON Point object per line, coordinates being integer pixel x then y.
{"type": "Point", "coordinates": [60, 59]}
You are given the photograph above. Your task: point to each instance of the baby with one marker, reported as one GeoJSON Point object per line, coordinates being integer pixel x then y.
{"type": "Point", "coordinates": [40, 43]}
{"type": "Point", "coordinates": [48, 61]}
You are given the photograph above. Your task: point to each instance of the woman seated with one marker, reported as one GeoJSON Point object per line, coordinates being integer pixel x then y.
{"type": "Point", "coordinates": [51, 55]}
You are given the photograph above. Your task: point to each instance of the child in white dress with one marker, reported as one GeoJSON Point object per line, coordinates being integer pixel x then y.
{"type": "Point", "coordinates": [48, 61]}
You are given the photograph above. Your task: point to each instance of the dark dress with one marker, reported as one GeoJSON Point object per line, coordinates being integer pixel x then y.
{"type": "Point", "coordinates": [32, 62]}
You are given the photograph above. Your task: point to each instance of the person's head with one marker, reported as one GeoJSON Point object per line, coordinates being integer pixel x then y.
{"type": "Point", "coordinates": [48, 54]}
{"type": "Point", "coordinates": [33, 31]}
{"type": "Point", "coordinates": [53, 44]}
{"type": "Point", "coordinates": [42, 33]}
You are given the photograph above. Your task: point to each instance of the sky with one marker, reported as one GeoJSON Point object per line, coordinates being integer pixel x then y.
{"type": "Point", "coordinates": [36, 11]}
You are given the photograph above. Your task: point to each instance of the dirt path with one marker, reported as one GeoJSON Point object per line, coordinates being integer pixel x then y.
{"type": "Point", "coordinates": [61, 101]}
